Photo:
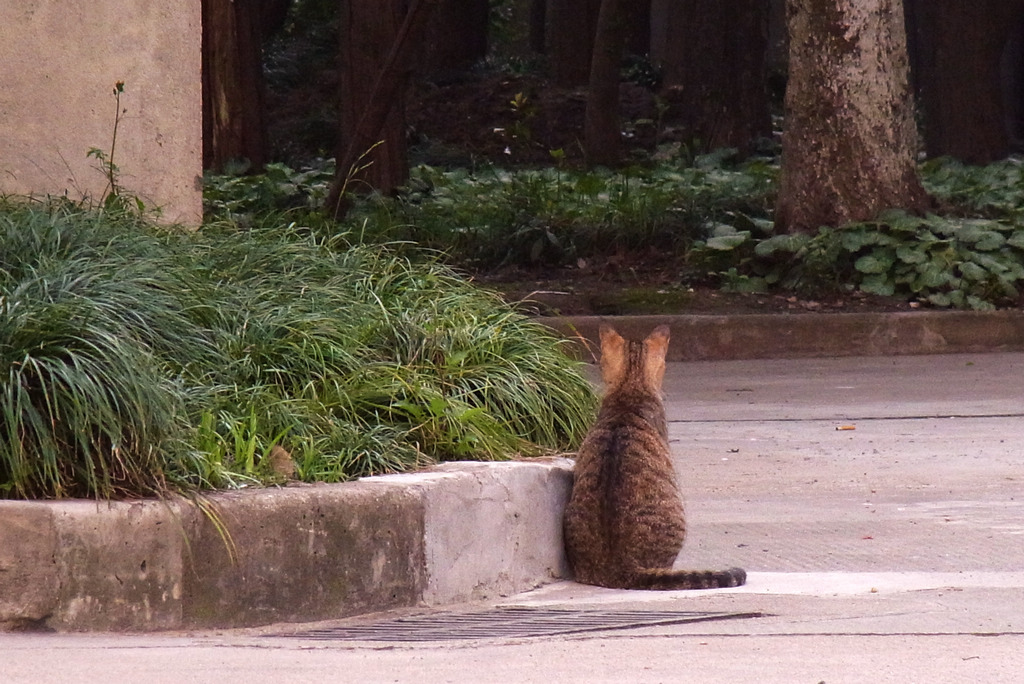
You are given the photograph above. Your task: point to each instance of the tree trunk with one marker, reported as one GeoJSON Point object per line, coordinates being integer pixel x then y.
{"type": "Point", "coordinates": [602, 133]}
{"type": "Point", "coordinates": [714, 57]}
{"type": "Point", "coordinates": [233, 96]}
{"type": "Point", "coordinates": [570, 39]}
{"type": "Point", "coordinates": [960, 71]}
{"type": "Point", "coordinates": [377, 47]}
{"type": "Point", "coordinates": [849, 148]}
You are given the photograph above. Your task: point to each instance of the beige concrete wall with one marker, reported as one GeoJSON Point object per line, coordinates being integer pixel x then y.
{"type": "Point", "coordinates": [59, 61]}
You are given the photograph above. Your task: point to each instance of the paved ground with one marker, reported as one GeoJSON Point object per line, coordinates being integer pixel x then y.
{"type": "Point", "coordinates": [891, 552]}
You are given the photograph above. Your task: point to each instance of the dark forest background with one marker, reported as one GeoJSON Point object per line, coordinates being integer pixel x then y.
{"type": "Point", "coordinates": [506, 80]}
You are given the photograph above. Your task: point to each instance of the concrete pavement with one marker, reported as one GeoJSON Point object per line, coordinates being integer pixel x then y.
{"type": "Point", "coordinates": [889, 552]}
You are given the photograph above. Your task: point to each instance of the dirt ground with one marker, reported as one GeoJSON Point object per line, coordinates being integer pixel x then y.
{"type": "Point", "coordinates": [640, 293]}
{"type": "Point", "coordinates": [521, 120]}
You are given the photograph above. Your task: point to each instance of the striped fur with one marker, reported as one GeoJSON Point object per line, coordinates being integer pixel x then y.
{"type": "Point", "coordinates": [624, 524]}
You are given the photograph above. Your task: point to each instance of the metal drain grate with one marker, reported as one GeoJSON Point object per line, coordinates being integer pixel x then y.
{"type": "Point", "coordinates": [507, 623]}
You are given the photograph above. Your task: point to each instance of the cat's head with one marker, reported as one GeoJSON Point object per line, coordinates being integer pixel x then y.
{"type": "Point", "coordinates": [625, 360]}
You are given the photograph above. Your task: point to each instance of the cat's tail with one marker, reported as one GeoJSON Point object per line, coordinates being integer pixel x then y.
{"type": "Point", "coordinates": [665, 579]}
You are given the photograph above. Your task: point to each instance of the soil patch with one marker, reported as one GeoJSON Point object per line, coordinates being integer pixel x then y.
{"type": "Point", "coordinates": [649, 291]}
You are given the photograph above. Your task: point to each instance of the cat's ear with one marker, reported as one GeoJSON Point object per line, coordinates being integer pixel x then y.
{"type": "Point", "coordinates": [655, 351]}
{"type": "Point", "coordinates": [613, 355]}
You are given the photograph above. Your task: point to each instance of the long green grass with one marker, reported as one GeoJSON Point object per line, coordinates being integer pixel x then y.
{"type": "Point", "coordinates": [493, 217]}
{"type": "Point", "coordinates": [141, 360]}
{"type": "Point", "coordinates": [87, 406]}
{"type": "Point", "coordinates": [490, 217]}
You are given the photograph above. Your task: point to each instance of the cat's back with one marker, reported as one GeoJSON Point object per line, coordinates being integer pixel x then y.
{"type": "Point", "coordinates": [625, 456]}
{"type": "Point", "coordinates": [625, 509]}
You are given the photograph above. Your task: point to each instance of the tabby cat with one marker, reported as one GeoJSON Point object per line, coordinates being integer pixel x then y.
{"type": "Point", "coordinates": [624, 524]}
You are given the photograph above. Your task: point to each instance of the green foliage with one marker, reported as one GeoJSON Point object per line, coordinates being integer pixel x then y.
{"type": "Point", "coordinates": [87, 406]}
{"type": "Point", "coordinates": [975, 263]}
{"type": "Point", "coordinates": [708, 210]}
{"type": "Point", "coordinates": [114, 199]}
{"type": "Point", "coordinates": [556, 216]}
{"type": "Point", "coordinates": [970, 257]}
{"type": "Point", "coordinates": [993, 191]}
{"type": "Point", "coordinates": [139, 359]}
{"type": "Point", "coordinates": [492, 217]}
{"type": "Point", "coordinates": [641, 71]}
{"type": "Point", "coordinates": [361, 337]}
{"type": "Point", "coordinates": [236, 196]}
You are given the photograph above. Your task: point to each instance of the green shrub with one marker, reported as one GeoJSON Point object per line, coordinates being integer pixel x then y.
{"type": "Point", "coordinates": [964, 263]}
{"type": "Point", "coordinates": [140, 359]}
{"type": "Point", "coordinates": [709, 211]}
{"type": "Point", "coordinates": [971, 256]}
{"type": "Point", "coordinates": [992, 191]}
{"type": "Point", "coordinates": [553, 216]}
{"type": "Point", "coordinates": [493, 217]}
{"type": "Point", "coordinates": [88, 407]}
{"type": "Point", "coordinates": [362, 337]}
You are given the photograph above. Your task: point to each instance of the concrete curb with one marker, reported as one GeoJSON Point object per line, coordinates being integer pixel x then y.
{"type": "Point", "coordinates": [458, 532]}
{"type": "Point", "coordinates": [782, 336]}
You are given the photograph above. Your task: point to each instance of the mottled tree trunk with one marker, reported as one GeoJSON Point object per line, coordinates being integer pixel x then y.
{"type": "Point", "coordinates": [849, 147]}
{"type": "Point", "coordinates": [714, 57]}
{"type": "Point", "coordinates": [602, 133]}
{"type": "Point", "coordinates": [378, 42]}
{"type": "Point", "coordinates": [233, 111]}
{"type": "Point", "coordinates": [960, 73]}
{"type": "Point", "coordinates": [368, 31]}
